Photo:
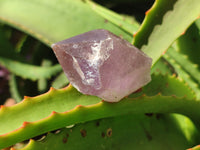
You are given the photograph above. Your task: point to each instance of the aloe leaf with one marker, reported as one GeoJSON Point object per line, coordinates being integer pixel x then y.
{"type": "Point", "coordinates": [185, 56]}
{"type": "Point", "coordinates": [54, 21]}
{"type": "Point", "coordinates": [29, 71]}
{"type": "Point", "coordinates": [195, 148]}
{"type": "Point", "coordinates": [164, 23]}
{"type": "Point", "coordinates": [187, 127]}
{"type": "Point", "coordinates": [187, 65]}
{"type": "Point", "coordinates": [60, 81]}
{"type": "Point", "coordinates": [182, 73]}
{"type": "Point", "coordinates": [14, 89]}
{"type": "Point", "coordinates": [11, 60]}
{"type": "Point", "coordinates": [162, 67]}
{"type": "Point", "coordinates": [122, 132]}
{"type": "Point", "coordinates": [55, 109]}
{"type": "Point", "coordinates": [189, 43]}
{"type": "Point", "coordinates": [123, 22]}
{"type": "Point", "coordinates": [21, 43]}
{"type": "Point", "coordinates": [170, 85]}
{"type": "Point", "coordinates": [42, 82]}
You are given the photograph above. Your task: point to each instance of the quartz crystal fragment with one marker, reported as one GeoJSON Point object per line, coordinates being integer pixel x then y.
{"type": "Point", "coordinates": [102, 64]}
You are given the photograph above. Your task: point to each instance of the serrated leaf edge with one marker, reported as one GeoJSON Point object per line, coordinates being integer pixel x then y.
{"type": "Point", "coordinates": [78, 110]}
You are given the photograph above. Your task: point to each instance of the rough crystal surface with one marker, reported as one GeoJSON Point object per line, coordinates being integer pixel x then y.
{"type": "Point", "coordinates": [102, 64]}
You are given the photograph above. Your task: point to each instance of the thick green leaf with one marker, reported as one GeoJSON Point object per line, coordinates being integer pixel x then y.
{"type": "Point", "coordinates": [169, 86]}
{"type": "Point", "coordinates": [54, 21]}
{"type": "Point", "coordinates": [186, 64]}
{"type": "Point", "coordinates": [189, 43]}
{"type": "Point", "coordinates": [162, 67]}
{"type": "Point", "coordinates": [15, 63]}
{"type": "Point", "coordinates": [42, 82]}
{"type": "Point", "coordinates": [130, 26]}
{"type": "Point", "coordinates": [163, 24]}
{"type": "Point", "coordinates": [183, 67]}
{"type": "Point", "coordinates": [29, 71]}
{"type": "Point", "coordinates": [14, 89]}
{"type": "Point", "coordinates": [127, 132]}
{"type": "Point", "coordinates": [59, 108]}
{"type": "Point", "coordinates": [195, 148]}
{"type": "Point", "coordinates": [187, 127]}
{"type": "Point", "coordinates": [60, 81]}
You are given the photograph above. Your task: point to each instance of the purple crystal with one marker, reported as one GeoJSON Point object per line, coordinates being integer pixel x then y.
{"type": "Point", "coordinates": [102, 64]}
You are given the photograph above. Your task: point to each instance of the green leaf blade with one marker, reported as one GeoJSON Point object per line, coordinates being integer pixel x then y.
{"type": "Point", "coordinates": [167, 21]}
{"type": "Point", "coordinates": [32, 72]}
{"type": "Point", "coordinates": [122, 132]}
{"type": "Point", "coordinates": [60, 108]}
{"type": "Point", "coordinates": [53, 21]}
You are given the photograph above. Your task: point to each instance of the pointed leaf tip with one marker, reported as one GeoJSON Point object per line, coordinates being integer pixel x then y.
{"type": "Point", "coordinates": [173, 75]}
{"type": "Point", "coordinates": [147, 11]}
{"type": "Point", "coordinates": [26, 97]}
{"type": "Point", "coordinates": [194, 148]}
{"type": "Point", "coordinates": [183, 32]}
{"type": "Point", "coordinates": [79, 106]}
{"type": "Point", "coordinates": [159, 94]}
{"type": "Point", "coordinates": [51, 89]}
{"type": "Point", "coordinates": [25, 123]}
{"type": "Point", "coordinates": [134, 34]}
{"type": "Point", "coordinates": [2, 106]}
{"type": "Point", "coordinates": [164, 52]}
{"type": "Point", "coordinates": [53, 113]}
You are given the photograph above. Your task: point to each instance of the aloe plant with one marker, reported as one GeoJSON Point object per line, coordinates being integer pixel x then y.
{"type": "Point", "coordinates": [162, 115]}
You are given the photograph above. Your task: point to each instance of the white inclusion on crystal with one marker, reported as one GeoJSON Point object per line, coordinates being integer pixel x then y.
{"type": "Point", "coordinates": [110, 46]}
{"type": "Point", "coordinates": [75, 46]}
{"type": "Point", "coordinates": [94, 57]}
{"type": "Point", "coordinates": [90, 81]}
{"type": "Point", "coordinates": [78, 68]}
{"type": "Point", "coordinates": [95, 60]}
{"type": "Point", "coordinates": [91, 75]}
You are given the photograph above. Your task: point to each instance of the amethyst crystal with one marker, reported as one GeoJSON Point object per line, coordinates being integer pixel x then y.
{"type": "Point", "coordinates": [102, 64]}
